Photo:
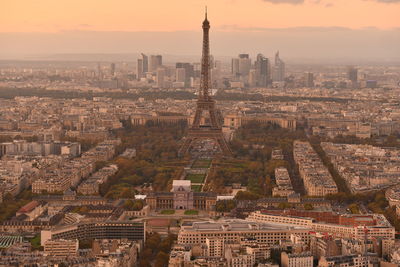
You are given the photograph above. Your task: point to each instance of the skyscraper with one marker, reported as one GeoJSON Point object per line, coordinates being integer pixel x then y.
{"type": "Point", "coordinates": [139, 68]}
{"type": "Point", "coordinates": [112, 69]}
{"type": "Point", "coordinates": [145, 63]}
{"type": "Point", "coordinates": [160, 77]}
{"type": "Point", "coordinates": [309, 79]}
{"type": "Point", "coordinates": [352, 74]}
{"type": "Point", "coordinates": [278, 74]}
{"type": "Point", "coordinates": [244, 64]}
{"type": "Point", "coordinates": [180, 75]}
{"type": "Point", "coordinates": [142, 66]}
{"type": "Point", "coordinates": [99, 72]}
{"type": "Point", "coordinates": [155, 63]}
{"type": "Point", "coordinates": [252, 82]}
{"type": "Point", "coordinates": [241, 65]}
{"type": "Point", "coordinates": [263, 71]}
{"type": "Point", "coordinates": [189, 72]}
{"type": "Point", "coordinates": [235, 66]}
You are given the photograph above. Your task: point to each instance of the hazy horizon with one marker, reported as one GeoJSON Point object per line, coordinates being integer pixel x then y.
{"type": "Point", "coordinates": [300, 43]}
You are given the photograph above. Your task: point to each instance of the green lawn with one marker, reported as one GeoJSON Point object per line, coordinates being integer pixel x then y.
{"type": "Point", "coordinates": [196, 188]}
{"type": "Point", "coordinates": [191, 212]}
{"type": "Point", "coordinates": [35, 242]}
{"type": "Point", "coordinates": [202, 164]}
{"type": "Point", "coordinates": [167, 212]}
{"type": "Point", "coordinates": [196, 178]}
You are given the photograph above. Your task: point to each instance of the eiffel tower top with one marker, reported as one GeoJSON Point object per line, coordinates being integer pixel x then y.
{"type": "Point", "coordinates": [206, 23]}
{"type": "Point", "coordinates": [205, 62]}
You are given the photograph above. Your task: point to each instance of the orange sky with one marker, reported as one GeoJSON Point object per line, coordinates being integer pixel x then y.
{"type": "Point", "coordinates": [176, 15]}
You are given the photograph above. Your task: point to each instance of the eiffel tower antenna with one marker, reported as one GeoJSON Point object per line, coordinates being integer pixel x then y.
{"type": "Point", "coordinates": [205, 103]}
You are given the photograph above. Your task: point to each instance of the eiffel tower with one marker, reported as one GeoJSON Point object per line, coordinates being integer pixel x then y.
{"type": "Point", "coordinates": [205, 103]}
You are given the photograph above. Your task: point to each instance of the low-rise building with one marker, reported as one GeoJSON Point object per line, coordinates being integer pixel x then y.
{"type": "Point", "coordinates": [232, 231]}
{"type": "Point", "coordinates": [61, 247]}
{"type": "Point", "coordinates": [283, 182]}
{"type": "Point", "coordinates": [358, 260]}
{"type": "Point", "coordinates": [97, 230]}
{"type": "Point", "coordinates": [345, 226]}
{"type": "Point", "coordinates": [181, 197]}
{"type": "Point", "coordinates": [296, 259]}
{"type": "Point", "coordinates": [32, 210]}
{"type": "Point", "coordinates": [364, 167]}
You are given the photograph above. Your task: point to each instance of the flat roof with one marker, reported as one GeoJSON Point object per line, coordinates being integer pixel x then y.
{"type": "Point", "coordinates": [181, 183]}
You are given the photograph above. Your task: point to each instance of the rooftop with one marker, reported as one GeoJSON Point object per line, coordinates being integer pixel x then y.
{"type": "Point", "coordinates": [29, 207]}
{"type": "Point", "coordinates": [181, 183]}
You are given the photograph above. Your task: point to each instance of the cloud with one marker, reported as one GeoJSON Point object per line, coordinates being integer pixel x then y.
{"type": "Point", "coordinates": [299, 2]}
{"type": "Point", "coordinates": [235, 27]}
{"type": "Point", "coordinates": [293, 2]}
{"type": "Point", "coordinates": [329, 4]}
{"type": "Point", "coordinates": [388, 1]}
{"type": "Point", "coordinates": [84, 25]}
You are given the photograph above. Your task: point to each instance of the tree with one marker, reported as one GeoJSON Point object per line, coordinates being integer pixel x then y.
{"type": "Point", "coordinates": [246, 195]}
{"type": "Point", "coordinates": [153, 241]}
{"type": "Point", "coordinates": [354, 208]}
{"type": "Point", "coordinates": [133, 205]}
{"type": "Point", "coordinates": [85, 243]}
{"type": "Point", "coordinates": [162, 259]}
{"type": "Point", "coordinates": [268, 185]}
{"type": "Point", "coordinates": [99, 165]}
{"type": "Point", "coordinates": [144, 262]}
{"type": "Point", "coordinates": [225, 205]}
{"type": "Point", "coordinates": [284, 205]}
{"type": "Point", "coordinates": [308, 206]}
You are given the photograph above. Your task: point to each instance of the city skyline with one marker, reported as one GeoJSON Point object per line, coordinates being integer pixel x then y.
{"type": "Point", "coordinates": [339, 45]}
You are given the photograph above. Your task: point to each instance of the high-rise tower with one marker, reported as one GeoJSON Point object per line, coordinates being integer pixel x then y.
{"type": "Point", "coordinates": [263, 71]}
{"type": "Point", "coordinates": [142, 66]}
{"type": "Point", "coordinates": [205, 103]}
{"type": "Point", "coordinates": [279, 69]}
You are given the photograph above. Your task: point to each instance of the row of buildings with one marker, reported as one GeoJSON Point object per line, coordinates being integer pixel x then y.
{"type": "Point", "coordinates": [316, 177]}
{"type": "Point", "coordinates": [364, 167]}
{"type": "Point", "coordinates": [73, 171]}
{"type": "Point", "coordinates": [103, 252]}
{"type": "Point", "coordinates": [91, 185]}
{"type": "Point", "coordinates": [49, 119]}
{"type": "Point", "coordinates": [346, 226]}
{"type": "Point", "coordinates": [24, 162]}
{"type": "Point", "coordinates": [23, 147]}
{"type": "Point", "coordinates": [297, 240]}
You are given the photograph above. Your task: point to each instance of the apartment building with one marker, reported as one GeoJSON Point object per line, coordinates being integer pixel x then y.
{"type": "Point", "coordinates": [376, 225]}
{"type": "Point", "coordinates": [317, 179]}
{"type": "Point", "coordinates": [97, 230]}
{"type": "Point", "coordinates": [61, 247]}
{"type": "Point", "coordinates": [296, 259]}
{"type": "Point", "coordinates": [283, 182]}
{"type": "Point", "coordinates": [232, 231]}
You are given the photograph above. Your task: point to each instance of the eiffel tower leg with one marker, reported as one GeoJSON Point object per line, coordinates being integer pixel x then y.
{"type": "Point", "coordinates": [224, 146]}
{"type": "Point", "coordinates": [185, 147]}
{"type": "Point", "coordinates": [197, 118]}
{"type": "Point", "coordinates": [213, 118]}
